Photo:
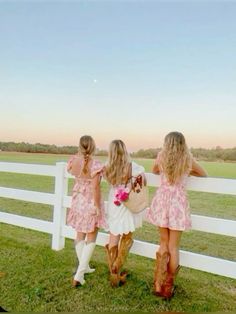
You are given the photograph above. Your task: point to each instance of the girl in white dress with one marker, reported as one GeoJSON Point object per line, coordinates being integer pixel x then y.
{"type": "Point", "coordinates": [121, 221]}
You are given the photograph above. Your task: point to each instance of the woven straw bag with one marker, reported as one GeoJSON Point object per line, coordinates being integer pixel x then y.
{"type": "Point", "coordinates": [138, 198]}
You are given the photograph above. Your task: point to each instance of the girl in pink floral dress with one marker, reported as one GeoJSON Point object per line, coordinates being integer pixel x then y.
{"type": "Point", "coordinates": [86, 214]}
{"type": "Point", "coordinates": [170, 208]}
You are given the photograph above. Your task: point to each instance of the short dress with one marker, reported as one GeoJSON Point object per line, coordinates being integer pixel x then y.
{"type": "Point", "coordinates": [170, 207]}
{"type": "Point", "coordinates": [82, 214]}
{"type": "Point", "coordinates": [119, 218]}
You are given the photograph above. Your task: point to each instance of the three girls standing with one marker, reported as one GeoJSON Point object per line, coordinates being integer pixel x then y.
{"type": "Point", "coordinates": [169, 209]}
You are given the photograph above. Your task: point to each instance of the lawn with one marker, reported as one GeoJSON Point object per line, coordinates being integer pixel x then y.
{"type": "Point", "coordinates": [38, 279]}
{"type": "Point", "coordinates": [214, 169]}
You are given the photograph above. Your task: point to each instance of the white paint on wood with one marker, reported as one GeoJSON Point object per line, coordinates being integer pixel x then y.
{"type": "Point", "coordinates": [43, 170]}
{"type": "Point", "coordinates": [59, 212]}
{"type": "Point", "coordinates": [26, 222]}
{"type": "Point", "coordinates": [212, 185]}
{"type": "Point", "coordinates": [214, 225]}
{"type": "Point", "coordinates": [30, 196]}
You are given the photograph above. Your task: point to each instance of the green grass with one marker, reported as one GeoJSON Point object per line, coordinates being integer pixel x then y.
{"type": "Point", "coordinates": [38, 279]}
{"type": "Point", "coordinates": [48, 159]}
{"type": "Point", "coordinates": [214, 169]}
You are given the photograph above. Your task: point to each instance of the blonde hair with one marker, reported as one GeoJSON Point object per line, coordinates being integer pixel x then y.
{"type": "Point", "coordinates": [175, 157]}
{"type": "Point", "coordinates": [87, 147]}
{"type": "Point", "coordinates": [118, 163]}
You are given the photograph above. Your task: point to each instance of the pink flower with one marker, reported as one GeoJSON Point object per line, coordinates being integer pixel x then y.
{"type": "Point", "coordinates": [121, 195]}
{"type": "Point", "coordinates": [124, 196]}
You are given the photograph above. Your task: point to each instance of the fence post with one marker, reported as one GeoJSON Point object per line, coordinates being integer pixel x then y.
{"type": "Point", "coordinates": [59, 212]}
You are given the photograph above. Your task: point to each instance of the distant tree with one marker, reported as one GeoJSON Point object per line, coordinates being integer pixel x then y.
{"type": "Point", "coordinates": [146, 153]}
{"type": "Point", "coordinates": [101, 152]}
{"type": "Point", "coordinates": [217, 153]}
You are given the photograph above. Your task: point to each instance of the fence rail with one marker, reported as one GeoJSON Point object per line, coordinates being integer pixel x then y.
{"type": "Point", "coordinates": [60, 201]}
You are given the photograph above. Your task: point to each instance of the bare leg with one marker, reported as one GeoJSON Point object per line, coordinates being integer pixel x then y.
{"type": "Point", "coordinates": [92, 236]}
{"type": "Point", "coordinates": [174, 242]}
{"type": "Point", "coordinates": [113, 240]}
{"type": "Point", "coordinates": [80, 236]}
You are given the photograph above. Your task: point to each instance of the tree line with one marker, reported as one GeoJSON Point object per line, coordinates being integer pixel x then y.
{"type": "Point", "coordinates": [213, 154]}
{"type": "Point", "coordinates": [42, 148]}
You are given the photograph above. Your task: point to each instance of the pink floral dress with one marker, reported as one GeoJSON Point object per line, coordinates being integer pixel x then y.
{"type": "Point", "coordinates": [170, 206]}
{"type": "Point", "coordinates": [82, 214]}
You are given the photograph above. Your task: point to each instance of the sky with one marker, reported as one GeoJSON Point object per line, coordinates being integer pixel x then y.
{"type": "Point", "coordinates": [133, 70]}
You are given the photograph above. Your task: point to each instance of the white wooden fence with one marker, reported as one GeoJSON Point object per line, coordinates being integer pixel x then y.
{"type": "Point", "coordinates": [60, 201]}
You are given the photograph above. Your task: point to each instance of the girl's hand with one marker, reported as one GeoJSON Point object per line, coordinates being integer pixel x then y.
{"type": "Point", "coordinates": [197, 170]}
{"type": "Point", "coordinates": [156, 169]}
{"type": "Point", "coordinates": [97, 211]}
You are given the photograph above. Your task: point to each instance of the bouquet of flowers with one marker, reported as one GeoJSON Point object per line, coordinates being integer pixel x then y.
{"type": "Point", "coordinates": [121, 195]}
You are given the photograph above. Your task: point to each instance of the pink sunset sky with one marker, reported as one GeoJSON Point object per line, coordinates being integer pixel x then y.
{"type": "Point", "coordinates": [129, 70]}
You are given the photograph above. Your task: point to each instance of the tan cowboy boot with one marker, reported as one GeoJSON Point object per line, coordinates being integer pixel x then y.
{"type": "Point", "coordinates": [123, 251]}
{"type": "Point", "coordinates": [160, 272]}
{"type": "Point", "coordinates": [168, 289]}
{"type": "Point", "coordinates": [111, 257]}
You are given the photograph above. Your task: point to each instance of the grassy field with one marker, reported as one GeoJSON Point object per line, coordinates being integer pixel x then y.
{"type": "Point", "coordinates": [38, 279]}
{"type": "Point", "coordinates": [214, 169]}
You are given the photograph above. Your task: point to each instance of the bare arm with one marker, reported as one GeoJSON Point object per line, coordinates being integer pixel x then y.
{"type": "Point", "coordinates": [156, 168]}
{"type": "Point", "coordinates": [97, 192]}
{"type": "Point", "coordinates": [197, 170]}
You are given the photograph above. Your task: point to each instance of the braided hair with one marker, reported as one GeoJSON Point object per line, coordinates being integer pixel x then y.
{"type": "Point", "coordinates": [86, 148]}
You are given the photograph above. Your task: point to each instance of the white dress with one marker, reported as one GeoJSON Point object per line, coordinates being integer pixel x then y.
{"type": "Point", "coordinates": [120, 219]}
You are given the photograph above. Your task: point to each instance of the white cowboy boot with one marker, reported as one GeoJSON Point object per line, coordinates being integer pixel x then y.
{"type": "Point", "coordinates": [84, 261]}
{"type": "Point", "coordinates": [79, 249]}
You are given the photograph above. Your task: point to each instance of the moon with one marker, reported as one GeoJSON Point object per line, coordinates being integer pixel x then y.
{"type": "Point", "coordinates": [95, 81]}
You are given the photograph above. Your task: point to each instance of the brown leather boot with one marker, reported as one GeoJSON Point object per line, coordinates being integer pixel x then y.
{"type": "Point", "coordinates": [123, 251]}
{"type": "Point", "coordinates": [125, 245]}
{"type": "Point", "coordinates": [168, 289]}
{"type": "Point", "coordinates": [111, 257]}
{"type": "Point", "coordinates": [160, 275]}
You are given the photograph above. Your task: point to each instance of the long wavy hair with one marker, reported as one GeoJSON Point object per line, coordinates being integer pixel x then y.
{"type": "Point", "coordinates": [175, 157]}
{"type": "Point", "coordinates": [86, 148]}
{"type": "Point", "coordinates": [118, 163]}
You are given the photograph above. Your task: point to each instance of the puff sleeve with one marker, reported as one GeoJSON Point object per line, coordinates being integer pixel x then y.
{"type": "Point", "coordinates": [97, 167]}
{"type": "Point", "coordinates": [69, 163]}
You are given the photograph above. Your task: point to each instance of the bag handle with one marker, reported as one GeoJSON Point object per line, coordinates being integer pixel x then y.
{"type": "Point", "coordinates": [138, 180]}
